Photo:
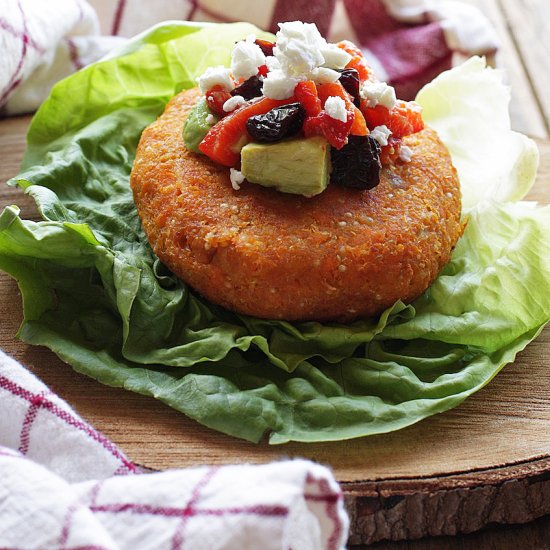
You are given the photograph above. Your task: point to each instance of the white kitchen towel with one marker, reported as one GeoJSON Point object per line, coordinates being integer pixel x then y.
{"type": "Point", "coordinates": [407, 42]}
{"type": "Point", "coordinates": [63, 485]}
{"type": "Point", "coordinates": [41, 42]}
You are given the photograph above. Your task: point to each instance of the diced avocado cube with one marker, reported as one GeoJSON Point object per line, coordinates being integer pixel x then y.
{"type": "Point", "coordinates": [196, 125]}
{"type": "Point", "coordinates": [299, 166]}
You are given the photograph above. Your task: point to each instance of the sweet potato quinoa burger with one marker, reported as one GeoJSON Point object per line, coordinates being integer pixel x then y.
{"type": "Point", "coordinates": [294, 185]}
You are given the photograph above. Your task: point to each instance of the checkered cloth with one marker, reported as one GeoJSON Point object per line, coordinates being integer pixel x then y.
{"type": "Point", "coordinates": [408, 42]}
{"type": "Point", "coordinates": [63, 485]}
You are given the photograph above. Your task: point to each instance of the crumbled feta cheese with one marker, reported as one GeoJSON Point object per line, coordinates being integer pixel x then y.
{"type": "Point", "coordinates": [378, 93]}
{"type": "Point", "coordinates": [211, 119]}
{"type": "Point", "coordinates": [322, 75]}
{"type": "Point", "coordinates": [300, 53]}
{"type": "Point", "coordinates": [277, 85]}
{"type": "Point", "coordinates": [405, 153]}
{"type": "Point", "coordinates": [236, 178]}
{"type": "Point", "coordinates": [272, 63]}
{"type": "Point", "coordinates": [216, 76]}
{"type": "Point", "coordinates": [336, 108]}
{"type": "Point", "coordinates": [381, 134]}
{"type": "Point", "coordinates": [301, 50]}
{"type": "Point", "coordinates": [246, 58]}
{"type": "Point", "coordinates": [298, 48]}
{"type": "Point", "coordinates": [335, 57]}
{"type": "Point", "coordinates": [233, 102]}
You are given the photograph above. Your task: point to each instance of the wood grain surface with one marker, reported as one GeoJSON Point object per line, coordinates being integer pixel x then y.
{"type": "Point", "coordinates": [485, 462]}
{"type": "Point", "coordinates": [529, 24]}
{"type": "Point", "coordinates": [516, 40]}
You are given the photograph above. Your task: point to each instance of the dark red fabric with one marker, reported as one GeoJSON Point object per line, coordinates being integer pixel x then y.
{"type": "Point", "coordinates": [412, 56]}
{"type": "Point", "coordinates": [369, 19]}
{"type": "Point", "coordinates": [308, 11]}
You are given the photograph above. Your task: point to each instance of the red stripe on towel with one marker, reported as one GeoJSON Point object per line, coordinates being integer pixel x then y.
{"type": "Point", "coordinates": [118, 17]}
{"type": "Point", "coordinates": [73, 54]}
{"type": "Point", "coordinates": [331, 498]}
{"type": "Point", "coordinates": [14, 81]}
{"type": "Point", "coordinates": [46, 404]}
{"type": "Point", "coordinates": [5, 25]}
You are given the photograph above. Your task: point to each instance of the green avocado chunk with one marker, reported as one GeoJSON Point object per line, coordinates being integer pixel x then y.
{"type": "Point", "coordinates": [196, 126]}
{"type": "Point", "coordinates": [298, 166]}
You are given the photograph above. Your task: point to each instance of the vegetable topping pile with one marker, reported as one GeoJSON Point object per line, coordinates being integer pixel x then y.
{"type": "Point", "coordinates": [300, 86]}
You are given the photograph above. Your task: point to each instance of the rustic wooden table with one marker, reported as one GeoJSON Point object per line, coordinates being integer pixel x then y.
{"type": "Point", "coordinates": [493, 451]}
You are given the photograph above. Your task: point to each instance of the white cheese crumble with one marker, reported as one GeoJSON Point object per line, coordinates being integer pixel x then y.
{"type": "Point", "coordinates": [216, 76]}
{"type": "Point", "coordinates": [336, 108]}
{"type": "Point", "coordinates": [301, 53]}
{"type": "Point", "coordinates": [272, 63]}
{"type": "Point", "coordinates": [298, 48]}
{"type": "Point", "coordinates": [211, 119]}
{"type": "Point", "coordinates": [233, 102]}
{"type": "Point", "coordinates": [335, 57]}
{"type": "Point", "coordinates": [381, 134]}
{"type": "Point", "coordinates": [322, 75]}
{"type": "Point", "coordinates": [236, 178]}
{"type": "Point", "coordinates": [246, 58]}
{"type": "Point", "coordinates": [378, 93]}
{"type": "Point", "coordinates": [405, 153]}
{"type": "Point", "coordinates": [277, 85]}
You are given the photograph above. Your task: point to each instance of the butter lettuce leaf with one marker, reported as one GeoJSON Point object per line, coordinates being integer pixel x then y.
{"type": "Point", "coordinates": [468, 107]}
{"type": "Point", "coordinates": [496, 286]}
{"type": "Point", "coordinates": [94, 292]}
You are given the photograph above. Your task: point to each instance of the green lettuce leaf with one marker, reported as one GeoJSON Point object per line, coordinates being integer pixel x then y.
{"type": "Point", "coordinates": [468, 107]}
{"type": "Point", "coordinates": [95, 294]}
{"type": "Point", "coordinates": [496, 286]}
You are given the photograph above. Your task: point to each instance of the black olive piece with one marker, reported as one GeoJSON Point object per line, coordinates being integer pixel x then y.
{"type": "Point", "coordinates": [250, 88]}
{"type": "Point", "coordinates": [357, 164]}
{"type": "Point", "coordinates": [265, 46]}
{"type": "Point", "coordinates": [350, 80]}
{"type": "Point", "coordinates": [277, 124]}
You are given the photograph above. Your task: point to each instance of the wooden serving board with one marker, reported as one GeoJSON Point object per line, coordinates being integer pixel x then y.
{"type": "Point", "coordinates": [484, 462]}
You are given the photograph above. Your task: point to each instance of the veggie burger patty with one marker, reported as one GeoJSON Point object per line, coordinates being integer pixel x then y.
{"type": "Point", "coordinates": [339, 255]}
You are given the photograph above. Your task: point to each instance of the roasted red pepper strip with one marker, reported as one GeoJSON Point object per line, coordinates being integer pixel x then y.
{"type": "Point", "coordinates": [306, 94]}
{"type": "Point", "coordinates": [334, 89]}
{"type": "Point", "coordinates": [404, 119]}
{"type": "Point", "coordinates": [334, 131]}
{"type": "Point", "coordinates": [222, 143]}
{"type": "Point", "coordinates": [358, 61]}
{"type": "Point", "coordinates": [215, 98]}
{"type": "Point", "coordinates": [263, 70]}
{"type": "Point", "coordinates": [359, 126]}
{"type": "Point", "coordinates": [265, 46]}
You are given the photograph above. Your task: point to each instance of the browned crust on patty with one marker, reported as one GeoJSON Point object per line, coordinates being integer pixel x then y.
{"type": "Point", "coordinates": [339, 255]}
